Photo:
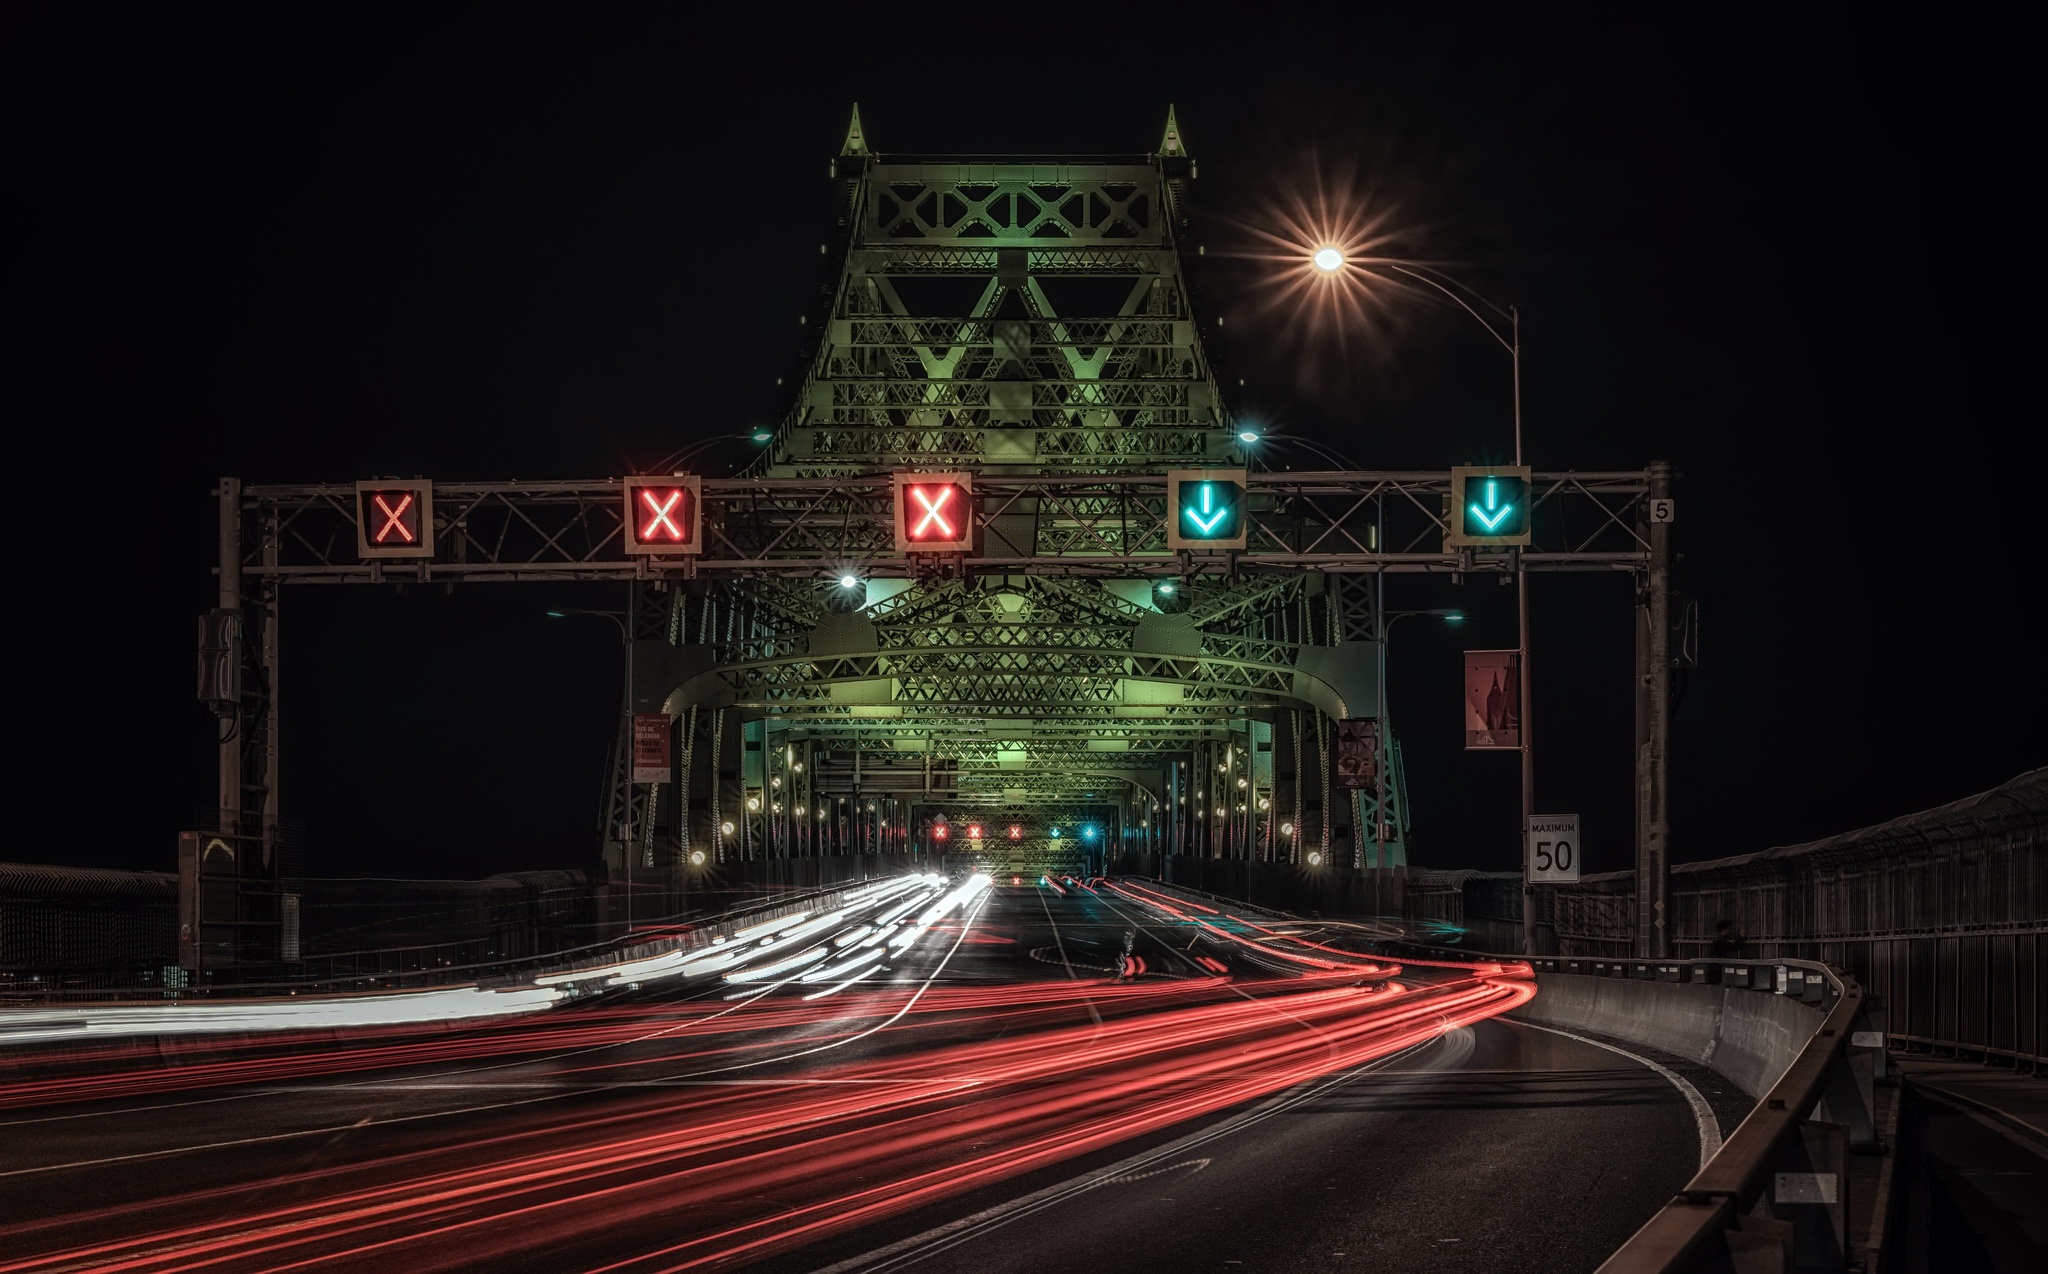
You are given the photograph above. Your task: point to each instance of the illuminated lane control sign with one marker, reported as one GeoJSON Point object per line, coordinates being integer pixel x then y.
{"type": "Point", "coordinates": [934, 512]}
{"type": "Point", "coordinates": [1489, 506]}
{"type": "Point", "coordinates": [664, 515]}
{"type": "Point", "coordinates": [395, 519]}
{"type": "Point", "coordinates": [1205, 509]}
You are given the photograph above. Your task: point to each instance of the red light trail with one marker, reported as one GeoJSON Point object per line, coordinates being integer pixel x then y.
{"type": "Point", "coordinates": [731, 1130]}
{"type": "Point", "coordinates": [862, 1140]}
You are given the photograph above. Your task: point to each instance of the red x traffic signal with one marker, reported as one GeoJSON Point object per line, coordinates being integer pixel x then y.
{"type": "Point", "coordinates": [664, 515]}
{"type": "Point", "coordinates": [934, 512]}
{"type": "Point", "coordinates": [394, 519]}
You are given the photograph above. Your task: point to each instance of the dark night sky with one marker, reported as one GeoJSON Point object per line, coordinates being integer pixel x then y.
{"type": "Point", "coordinates": [483, 241]}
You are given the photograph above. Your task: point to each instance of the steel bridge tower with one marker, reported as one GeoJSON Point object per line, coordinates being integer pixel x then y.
{"type": "Point", "coordinates": [1015, 318]}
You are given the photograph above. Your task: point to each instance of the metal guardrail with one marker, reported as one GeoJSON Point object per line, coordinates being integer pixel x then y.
{"type": "Point", "coordinates": [1776, 1195]}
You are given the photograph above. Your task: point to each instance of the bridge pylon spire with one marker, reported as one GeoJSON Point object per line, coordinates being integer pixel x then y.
{"type": "Point", "coordinates": [856, 142]}
{"type": "Point", "coordinates": [1171, 146]}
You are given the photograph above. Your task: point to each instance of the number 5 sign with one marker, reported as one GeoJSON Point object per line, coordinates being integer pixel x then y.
{"type": "Point", "coordinates": [1553, 849]}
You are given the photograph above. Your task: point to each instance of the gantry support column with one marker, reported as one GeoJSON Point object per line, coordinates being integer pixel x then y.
{"type": "Point", "coordinates": [1653, 733]}
{"type": "Point", "coordinates": [230, 750]}
{"type": "Point", "coordinates": [263, 751]}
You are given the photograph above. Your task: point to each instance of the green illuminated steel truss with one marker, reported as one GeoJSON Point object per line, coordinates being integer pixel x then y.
{"type": "Point", "coordinates": [1028, 321]}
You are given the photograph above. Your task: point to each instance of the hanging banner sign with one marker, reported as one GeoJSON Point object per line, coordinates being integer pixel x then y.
{"type": "Point", "coordinates": [651, 738]}
{"type": "Point", "coordinates": [1493, 700]}
{"type": "Point", "coordinates": [1358, 754]}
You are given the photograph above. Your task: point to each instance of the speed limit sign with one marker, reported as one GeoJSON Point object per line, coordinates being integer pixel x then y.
{"type": "Point", "coordinates": [1553, 849]}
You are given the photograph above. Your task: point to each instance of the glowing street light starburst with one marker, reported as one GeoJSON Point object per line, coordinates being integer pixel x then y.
{"type": "Point", "coordinates": [1315, 257]}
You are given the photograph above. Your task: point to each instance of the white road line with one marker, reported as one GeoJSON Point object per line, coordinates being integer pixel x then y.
{"type": "Point", "coordinates": [510, 1084]}
{"type": "Point", "coordinates": [1702, 1113]}
{"type": "Point", "coordinates": [1138, 922]}
{"type": "Point", "coordinates": [276, 1136]}
{"type": "Point", "coordinates": [941, 1238]}
{"type": "Point", "coordinates": [1061, 944]}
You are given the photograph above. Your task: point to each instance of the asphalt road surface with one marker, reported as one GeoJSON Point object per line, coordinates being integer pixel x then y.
{"type": "Point", "coordinates": [1036, 1081]}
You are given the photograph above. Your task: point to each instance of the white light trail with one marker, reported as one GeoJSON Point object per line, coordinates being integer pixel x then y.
{"type": "Point", "coordinates": [779, 968]}
{"type": "Point", "coordinates": [308, 1013]}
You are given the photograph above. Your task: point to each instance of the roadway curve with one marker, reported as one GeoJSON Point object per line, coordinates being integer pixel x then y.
{"type": "Point", "coordinates": [999, 1098]}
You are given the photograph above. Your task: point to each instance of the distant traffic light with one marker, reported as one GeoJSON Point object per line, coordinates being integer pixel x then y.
{"type": "Point", "coordinates": [1016, 831]}
{"type": "Point", "coordinates": [934, 512]}
{"type": "Point", "coordinates": [1205, 509]}
{"type": "Point", "coordinates": [664, 515]}
{"type": "Point", "coordinates": [395, 519]}
{"type": "Point", "coordinates": [1489, 506]}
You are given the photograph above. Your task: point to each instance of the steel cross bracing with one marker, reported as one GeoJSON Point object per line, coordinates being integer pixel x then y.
{"type": "Point", "coordinates": [1007, 313]}
{"type": "Point", "coordinates": [1058, 524]}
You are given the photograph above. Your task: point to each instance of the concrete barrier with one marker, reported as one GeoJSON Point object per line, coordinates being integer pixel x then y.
{"type": "Point", "coordinates": [1750, 1037]}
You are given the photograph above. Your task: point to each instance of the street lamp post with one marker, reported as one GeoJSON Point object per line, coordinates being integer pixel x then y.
{"type": "Point", "coordinates": [1512, 343]}
{"type": "Point", "coordinates": [628, 849]}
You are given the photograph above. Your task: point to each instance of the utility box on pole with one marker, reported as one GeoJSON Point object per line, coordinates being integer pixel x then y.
{"type": "Point", "coordinates": [230, 910]}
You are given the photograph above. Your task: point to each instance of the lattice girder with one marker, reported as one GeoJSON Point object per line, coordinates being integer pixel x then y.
{"type": "Point", "coordinates": [1063, 525]}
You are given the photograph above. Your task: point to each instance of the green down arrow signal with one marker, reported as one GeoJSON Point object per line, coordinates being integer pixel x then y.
{"type": "Point", "coordinates": [1208, 517]}
{"type": "Point", "coordinates": [1495, 512]}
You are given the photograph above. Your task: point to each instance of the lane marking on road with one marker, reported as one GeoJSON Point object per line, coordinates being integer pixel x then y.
{"type": "Point", "coordinates": [1150, 931]}
{"type": "Point", "coordinates": [402, 1086]}
{"type": "Point", "coordinates": [1191, 1166]}
{"type": "Point", "coordinates": [952, 1234]}
{"type": "Point", "coordinates": [242, 1095]}
{"type": "Point", "coordinates": [1061, 944]}
{"type": "Point", "coordinates": [236, 1142]}
{"type": "Point", "coordinates": [1702, 1113]}
{"type": "Point", "coordinates": [1272, 1003]}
